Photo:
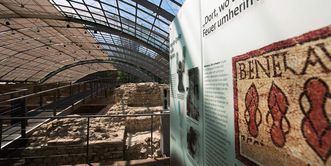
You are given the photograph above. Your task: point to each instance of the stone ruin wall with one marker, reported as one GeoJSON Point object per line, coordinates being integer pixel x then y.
{"type": "Point", "coordinates": [140, 94]}
{"type": "Point", "coordinates": [141, 98]}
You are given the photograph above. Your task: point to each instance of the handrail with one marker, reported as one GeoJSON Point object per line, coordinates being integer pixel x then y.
{"type": "Point", "coordinates": [48, 90]}
{"type": "Point", "coordinates": [13, 92]}
{"type": "Point", "coordinates": [86, 116]}
{"type": "Point", "coordinates": [11, 110]}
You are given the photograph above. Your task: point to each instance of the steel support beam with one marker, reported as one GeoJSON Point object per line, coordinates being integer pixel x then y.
{"type": "Point", "coordinates": [114, 62]}
{"type": "Point", "coordinates": [156, 9]}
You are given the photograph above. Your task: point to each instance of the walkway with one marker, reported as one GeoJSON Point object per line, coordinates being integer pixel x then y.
{"type": "Point", "coordinates": [63, 106]}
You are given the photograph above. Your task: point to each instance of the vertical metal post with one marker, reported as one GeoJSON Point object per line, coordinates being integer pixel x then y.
{"type": "Point", "coordinates": [165, 99]}
{"type": "Point", "coordinates": [0, 132]}
{"type": "Point", "coordinates": [73, 86]}
{"type": "Point", "coordinates": [152, 134]}
{"type": "Point", "coordinates": [92, 89]}
{"type": "Point", "coordinates": [13, 105]}
{"type": "Point", "coordinates": [16, 107]}
{"type": "Point", "coordinates": [96, 89]}
{"type": "Point", "coordinates": [165, 135]}
{"type": "Point", "coordinates": [122, 104]}
{"type": "Point", "coordinates": [40, 97]}
{"type": "Point", "coordinates": [54, 110]}
{"type": "Point", "coordinates": [70, 89]}
{"type": "Point", "coordinates": [84, 90]}
{"type": "Point", "coordinates": [23, 121]}
{"type": "Point", "coordinates": [55, 103]}
{"type": "Point", "coordinates": [58, 92]}
{"type": "Point", "coordinates": [97, 84]}
{"type": "Point", "coordinates": [54, 96]}
{"type": "Point", "coordinates": [87, 141]}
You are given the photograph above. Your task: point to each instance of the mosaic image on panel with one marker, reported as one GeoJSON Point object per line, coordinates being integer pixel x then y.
{"type": "Point", "coordinates": [283, 102]}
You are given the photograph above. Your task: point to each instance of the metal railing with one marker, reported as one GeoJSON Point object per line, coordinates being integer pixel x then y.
{"type": "Point", "coordinates": [49, 90]}
{"type": "Point", "coordinates": [94, 85]}
{"type": "Point", "coordinates": [87, 117]}
{"type": "Point", "coordinates": [13, 92]}
{"type": "Point", "coordinates": [16, 105]}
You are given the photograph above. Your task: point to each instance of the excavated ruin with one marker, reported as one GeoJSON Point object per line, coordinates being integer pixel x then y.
{"type": "Point", "coordinates": [108, 137]}
{"type": "Point", "coordinates": [141, 98]}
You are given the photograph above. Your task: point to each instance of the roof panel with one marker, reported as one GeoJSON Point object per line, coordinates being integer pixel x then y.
{"type": "Point", "coordinates": [124, 14]}
{"type": "Point", "coordinates": [43, 43]}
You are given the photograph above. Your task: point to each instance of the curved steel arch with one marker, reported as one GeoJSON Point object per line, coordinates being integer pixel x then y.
{"type": "Point", "coordinates": [66, 67]}
{"type": "Point", "coordinates": [134, 71]}
{"type": "Point", "coordinates": [128, 49]}
{"type": "Point", "coordinates": [132, 52]}
{"type": "Point", "coordinates": [146, 62]}
{"type": "Point", "coordinates": [150, 40]}
{"type": "Point", "coordinates": [93, 26]}
{"type": "Point", "coordinates": [148, 58]}
{"type": "Point", "coordinates": [140, 63]}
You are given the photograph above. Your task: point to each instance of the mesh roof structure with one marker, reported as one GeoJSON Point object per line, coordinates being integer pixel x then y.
{"type": "Point", "coordinates": [64, 40]}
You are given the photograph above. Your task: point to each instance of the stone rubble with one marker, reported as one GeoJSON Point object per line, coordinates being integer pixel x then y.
{"type": "Point", "coordinates": [74, 130]}
{"type": "Point", "coordinates": [140, 145]}
{"type": "Point", "coordinates": [63, 141]}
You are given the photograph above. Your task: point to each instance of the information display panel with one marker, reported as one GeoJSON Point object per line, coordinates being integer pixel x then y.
{"type": "Point", "coordinates": [264, 76]}
{"type": "Point", "coordinates": [186, 134]}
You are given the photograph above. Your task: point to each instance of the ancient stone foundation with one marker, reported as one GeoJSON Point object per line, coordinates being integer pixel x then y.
{"type": "Point", "coordinates": [57, 154]}
{"type": "Point", "coordinates": [64, 141]}
{"type": "Point", "coordinates": [141, 98]}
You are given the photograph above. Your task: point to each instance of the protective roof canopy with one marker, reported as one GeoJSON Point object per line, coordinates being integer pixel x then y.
{"type": "Point", "coordinates": [64, 40]}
